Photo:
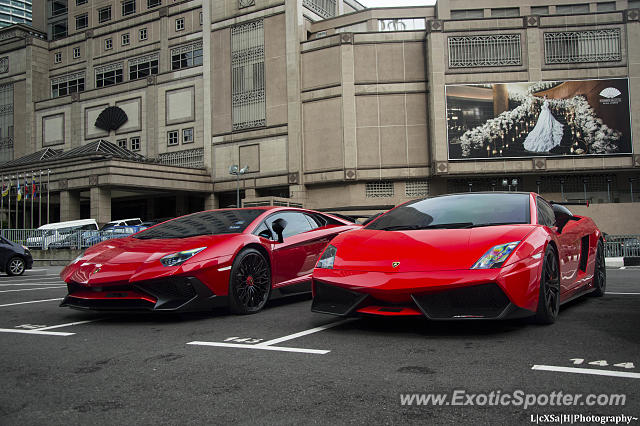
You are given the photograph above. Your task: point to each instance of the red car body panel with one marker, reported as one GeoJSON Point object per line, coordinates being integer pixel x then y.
{"type": "Point", "coordinates": [386, 272]}
{"type": "Point", "coordinates": [116, 274]}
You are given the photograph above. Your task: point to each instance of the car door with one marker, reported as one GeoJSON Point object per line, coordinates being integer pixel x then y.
{"type": "Point", "coordinates": [5, 250]}
{"type": "Point", "coordinates": [295, 257]}
{"type": "Point", "coordinates": [568, 245]}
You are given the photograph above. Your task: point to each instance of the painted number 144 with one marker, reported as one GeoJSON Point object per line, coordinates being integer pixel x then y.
{"type": "Point", "coordinates": [602, 363]}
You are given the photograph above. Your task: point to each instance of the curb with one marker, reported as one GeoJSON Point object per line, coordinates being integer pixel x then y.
{"type": "Point", "coordinates": [617, 262]}
{"type": "Point", "coordinates": [614, 262]}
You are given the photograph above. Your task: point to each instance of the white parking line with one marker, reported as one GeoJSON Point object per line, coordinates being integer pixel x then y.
{"type": "Point", "coordinates": [32, 301]}
{"type": "Point", "coordinates": [303, 333]}
{"type": "Point", "coordinates": [30, 279]}
{"type": "Point", "coordinates": [48, 333]}
{"type": "Point", "coordinates": [26, 276]}
{"type": "Point", "coordinates": [591, 371]}
{"type": "Point", "coordinates": [69, 324]}
{"type": "Point", "coordinates": [31, 289]}
{"type": "Point", "coordinates": [263, 347]}
{"type": "Point", "coordinates": [267, 346]}
{"type": "Point", "coordinates": [43, 330]}
{"type": "Point", "coordinates": [610, 292]}
{"type": "Point", "coordinates": [32, 284]}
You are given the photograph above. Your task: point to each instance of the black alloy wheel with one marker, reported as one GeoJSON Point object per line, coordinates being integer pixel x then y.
{"type": "Point", "coordinates": [549, 298]}
{"type": "Point", "coordinates": [250, 282]}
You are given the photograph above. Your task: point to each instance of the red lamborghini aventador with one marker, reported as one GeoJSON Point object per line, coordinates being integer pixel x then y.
{"type": "Point", "coordinates": [463, 256]}
{"type": "Point", "coordinates": [230, 257]}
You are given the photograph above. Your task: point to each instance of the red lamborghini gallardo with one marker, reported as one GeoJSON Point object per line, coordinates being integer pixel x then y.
{"type": "Point", "coordinates": [230, 257]}
{"type": "Point", "coordinates": [463, 256]}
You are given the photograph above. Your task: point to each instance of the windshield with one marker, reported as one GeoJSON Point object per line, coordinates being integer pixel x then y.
{"type": "Point", "coordinates": [203, 223]}
{"type": "Point", "coordinates": [457, 211]}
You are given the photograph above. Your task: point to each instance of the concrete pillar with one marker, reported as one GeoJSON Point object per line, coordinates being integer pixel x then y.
{"type": "Point", "coordinates": [294, 28]}
{"type": "Point", "coordinates": [69, 205]}
{"type": "Point", "coordinates": [211, 202]}
{"type": "Point", "coordinates": [207, 90]}
{"type": "Point", "coordinates": [100, 207]}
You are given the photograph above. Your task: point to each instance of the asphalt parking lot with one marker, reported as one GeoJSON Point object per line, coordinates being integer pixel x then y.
{"type": "Point", "coordinates": [287, 365]}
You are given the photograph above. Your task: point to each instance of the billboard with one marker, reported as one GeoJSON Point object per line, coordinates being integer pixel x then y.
{"type": "Point", "coordinates": [548, 118]}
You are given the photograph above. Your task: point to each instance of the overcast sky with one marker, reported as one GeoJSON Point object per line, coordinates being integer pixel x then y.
{"type": "Point", "coordinates": [391, 3]}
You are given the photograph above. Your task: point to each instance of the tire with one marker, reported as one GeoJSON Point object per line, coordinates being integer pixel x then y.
{"type": "Point", "coordinates": [249, 283]}
{"type": "Point", "coordinates": [549, 297]}
{"type": "Point", "coordinates": [599, 272]}
{"type": "Point", "coordinates": [15, 266]}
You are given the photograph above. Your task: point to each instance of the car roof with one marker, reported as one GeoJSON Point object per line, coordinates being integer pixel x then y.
{"type": "Point", "coordinates": [68, 223]}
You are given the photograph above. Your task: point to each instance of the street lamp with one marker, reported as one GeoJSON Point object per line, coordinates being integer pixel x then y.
{"type": "Point", "coordinates": [235, 170]}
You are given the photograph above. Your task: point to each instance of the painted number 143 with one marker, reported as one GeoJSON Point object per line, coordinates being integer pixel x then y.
{"type": "Point", "coordinates": [603, 363]}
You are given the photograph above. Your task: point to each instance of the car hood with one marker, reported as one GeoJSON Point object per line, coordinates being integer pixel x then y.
{"type": "Point", "coordinates": [134, 250]}
{"type": "Point", "coordinates": [131, 259]}
{"type": "Point", "coordinates": [420, 250]}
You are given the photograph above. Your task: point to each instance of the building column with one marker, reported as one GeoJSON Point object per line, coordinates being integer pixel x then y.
{"type": "Point", "coordinates": [211, 201]}
{"type": "Point", "coordinates": [69, 205]}
{"type": "Point", "coordinates": [100, 204]}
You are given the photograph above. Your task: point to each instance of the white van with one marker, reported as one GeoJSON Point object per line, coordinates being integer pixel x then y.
{"type": "Point", "coordinates": [60, 234]}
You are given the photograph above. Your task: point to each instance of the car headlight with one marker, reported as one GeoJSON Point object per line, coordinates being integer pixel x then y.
{"type": "Point", "coordinates": [179, 258]}
{"type": "Point", "coordinates": [327, 258]}
{"type": "Point", "coordinates": [495, 256]}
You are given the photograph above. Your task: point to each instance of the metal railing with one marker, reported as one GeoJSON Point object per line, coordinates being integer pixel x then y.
{"type": "Point", "coordinates": [622, 246]}
{"type": "Point", "coordinates": [192, 158]}
{"type": "Point", "coordinates": [570, 47]}
{"type": "Point", "coordinates": [45, 239]}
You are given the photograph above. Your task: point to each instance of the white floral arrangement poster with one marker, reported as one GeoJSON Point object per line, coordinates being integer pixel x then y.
{"type": "Point", "coordinates": [548, 118]}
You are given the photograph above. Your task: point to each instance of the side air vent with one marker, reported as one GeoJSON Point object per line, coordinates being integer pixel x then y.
{"type": "Point", "coordinates": [584, 253]}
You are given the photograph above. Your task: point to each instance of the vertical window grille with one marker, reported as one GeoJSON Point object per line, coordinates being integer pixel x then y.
{"type": "Point", "coordinates": [485, 51]}
{"type": "Point", "coordinates": [247, 84]}
{"type": "Point", "coordinates": [324, 8]}
{"type": "Point", "coordinates": [582, 46]}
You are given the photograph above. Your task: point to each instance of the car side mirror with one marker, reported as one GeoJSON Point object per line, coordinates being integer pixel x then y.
{"type": "Point", "coordinates": [278, 226]}
{"type": "Point", "coordinates": [563, 216]}
{"type": "Point", "coordinates": [265, 233]}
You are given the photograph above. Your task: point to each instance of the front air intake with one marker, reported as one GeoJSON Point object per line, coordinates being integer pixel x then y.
{"type": "Point", "coordinates": [479, 301]}
{"type": "Point", "coordinates": [329, 299]}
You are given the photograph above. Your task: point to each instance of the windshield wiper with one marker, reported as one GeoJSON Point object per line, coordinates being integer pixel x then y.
{"type": "Point", "coordinates": [479, 225]}
{"type": "Point", "coordinates": [436, 226]}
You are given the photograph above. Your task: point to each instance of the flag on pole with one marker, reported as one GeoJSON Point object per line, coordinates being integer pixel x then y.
{"type": "Point", "coordinates": [34, 188]}
{"type": "Point", "coordinates": [6, 188]}
{"type": "Point", "coordinates": [19, 190]}
{"type": "Point", "coordinates": [26, 187]}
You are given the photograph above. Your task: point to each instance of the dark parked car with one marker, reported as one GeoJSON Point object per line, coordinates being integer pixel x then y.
{"type": "Point", "coordinates": [14, 258]}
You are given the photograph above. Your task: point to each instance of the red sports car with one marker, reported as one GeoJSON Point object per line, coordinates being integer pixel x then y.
{"type": "Point", "coordinates": [462, 256]}
{"type": "Point", "coordinates": [229, 257]}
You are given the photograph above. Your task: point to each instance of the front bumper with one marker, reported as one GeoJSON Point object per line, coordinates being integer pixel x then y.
{"type": "Point", "coordinates": [443, 295]}
{"type": "Point", "coordinates": [173, 294]}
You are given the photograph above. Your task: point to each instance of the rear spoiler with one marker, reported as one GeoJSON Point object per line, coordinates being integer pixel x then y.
{"type": "Point", "coordinates": [571, 203]}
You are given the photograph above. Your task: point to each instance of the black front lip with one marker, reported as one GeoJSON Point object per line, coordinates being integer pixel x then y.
{"type": "Point", "coordinates": [198, 297]}
{"type": "Point", "coordinates": [335, 300]}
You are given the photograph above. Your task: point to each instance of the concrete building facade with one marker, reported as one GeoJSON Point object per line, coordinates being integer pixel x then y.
{"type": "Point", "coordinates": [332, 106]}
